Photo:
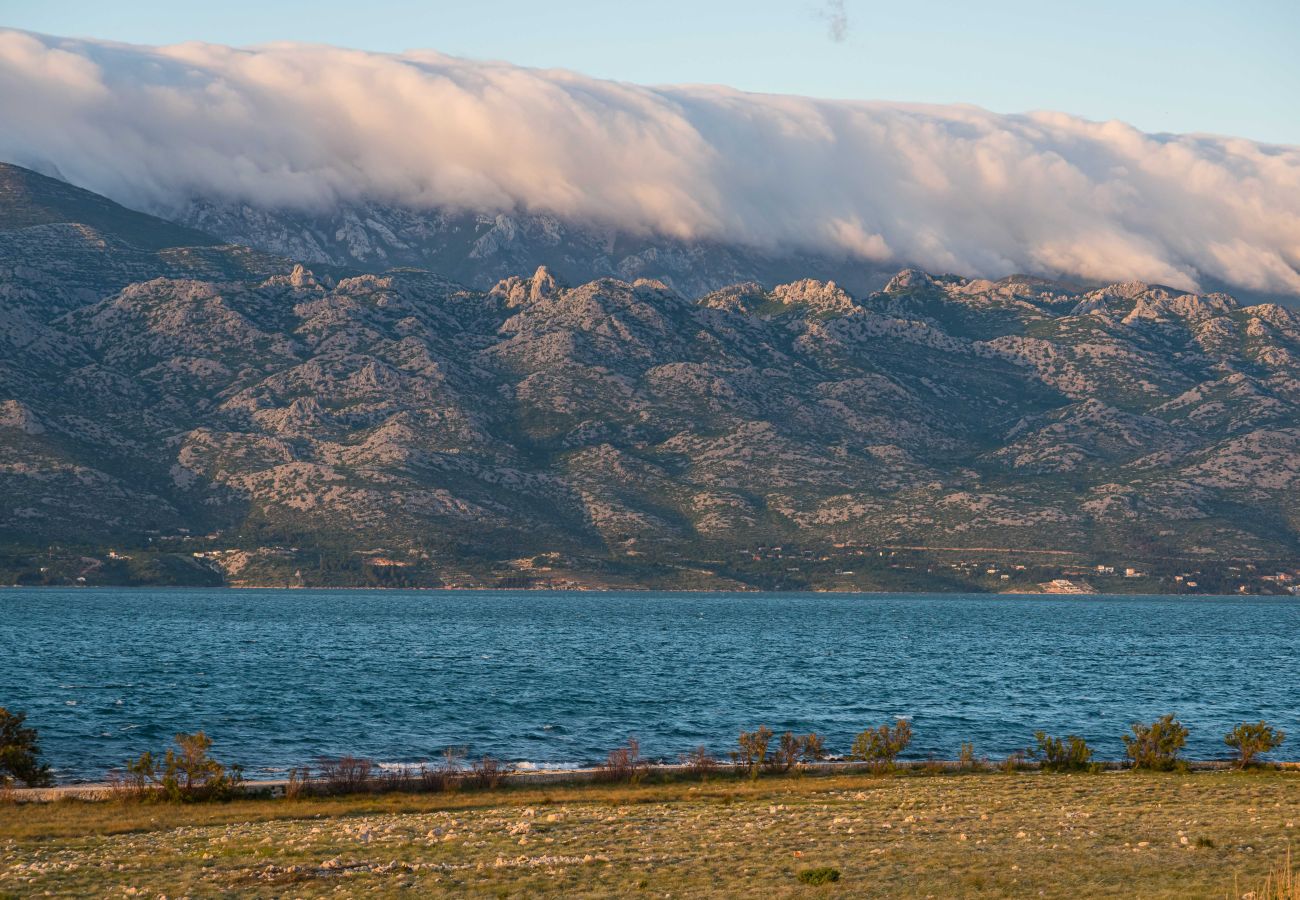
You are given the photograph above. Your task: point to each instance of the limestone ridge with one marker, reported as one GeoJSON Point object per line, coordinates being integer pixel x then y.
{"type": "Point", "coordinates": [480, 249]}
{"type": "Point", "coordinates": [147, 395]}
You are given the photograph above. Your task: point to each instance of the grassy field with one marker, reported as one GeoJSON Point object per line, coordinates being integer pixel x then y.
{"type": "Point", "coordinates": [988, 834]}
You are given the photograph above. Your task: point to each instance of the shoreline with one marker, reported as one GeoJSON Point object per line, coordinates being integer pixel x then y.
{"type": "Point", "coordinates": [100, 791]}
{"type": "Point", "coordinates": [186, 588]}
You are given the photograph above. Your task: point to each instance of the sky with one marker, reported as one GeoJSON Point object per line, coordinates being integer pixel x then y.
{"type": "Point", "coordinates": [1193, 66]}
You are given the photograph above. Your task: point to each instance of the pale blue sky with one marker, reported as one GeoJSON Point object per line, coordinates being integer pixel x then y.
{"type": "Point", "coordinates": [1222, 67]}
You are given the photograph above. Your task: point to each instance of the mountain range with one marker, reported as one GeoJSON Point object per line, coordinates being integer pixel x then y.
{"type": "Point", "coordinates": [435, 400]}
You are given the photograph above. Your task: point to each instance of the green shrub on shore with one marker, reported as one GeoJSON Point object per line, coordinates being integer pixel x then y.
{"type": "Point", "coordinates": [1155, 747]}
{"type": "Point", "coordinates": [1055, 755]}
{"type": "Point", "coordinates": [20, 751]}
{"type": "Point", "coordinates": [1251, 739]}
{"type": "Point", "coordinates": [881, 746]}
{"type": "Point", "coordinates": [187, 772]}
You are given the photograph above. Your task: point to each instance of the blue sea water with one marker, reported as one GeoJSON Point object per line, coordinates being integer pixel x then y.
{"type": "Point", "coordinates": [278, 678]}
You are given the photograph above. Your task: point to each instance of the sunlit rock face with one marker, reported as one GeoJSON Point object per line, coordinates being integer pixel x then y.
{"type": "Point", "coordinates": [210, 388]}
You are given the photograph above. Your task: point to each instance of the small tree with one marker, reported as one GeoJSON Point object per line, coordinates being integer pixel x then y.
{"type": "Point", "coordinates": [793, 751]}
{"type": "Point", "coordinates": [1156, 746]}
{"type": "Point", "coordinates": [1250, 739]}
{"type": "Point", "coordinates": [20, 751]}
{"type": "Point", "coordinates": [880, 746]}
{"type": "Point", "coordinates": [812, 748]}
{"type": "Point", "coordinates": [699, 762]}
{"type": "Point", "coordinates": [1055, 755]}
{"type": "Point", "coordinates": [751, 750]}
{"type": "Point", "coordinates": [624, 763]}
{"type": "Point", "coordinates": [966, 759]}
{"type": "Point", "coordinates": [186, 772]}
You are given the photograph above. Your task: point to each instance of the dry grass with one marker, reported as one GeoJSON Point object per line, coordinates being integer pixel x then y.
{"type": "Point", "coordinates": [1282, 883]}
{"type": "Point", "coordinates": [988, 834]}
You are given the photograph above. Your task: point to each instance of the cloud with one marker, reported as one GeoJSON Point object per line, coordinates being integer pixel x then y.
{"type": "Point", "coordinates": [837, 20]}
{"type": "Point", "coordinates": [952, 188]}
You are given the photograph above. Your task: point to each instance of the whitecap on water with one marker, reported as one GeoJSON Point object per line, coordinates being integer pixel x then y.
{"type": "Point", "coordinates": [527, 766]}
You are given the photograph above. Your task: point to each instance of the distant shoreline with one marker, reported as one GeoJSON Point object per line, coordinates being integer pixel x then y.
{"type": "Point", "coordinates": [622, 590]}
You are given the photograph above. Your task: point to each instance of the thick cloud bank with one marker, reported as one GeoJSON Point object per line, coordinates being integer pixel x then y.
{"type": "Point", "coordinates": [949, 188]}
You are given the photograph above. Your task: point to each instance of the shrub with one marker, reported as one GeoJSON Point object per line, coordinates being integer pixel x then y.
{"type": "Point", "coordinates": [487, 772]}
{"type": "Point", "coordinates": [813, 748]}
{"type": "Point", "coordinates": [793, 751]}
{"type": "Point", "coordinates": [699, 762]}
{"type": "Point", "coordinates": [751, 752]}
{"type": "Point", "coordinates": [880, 746]}
{"type": "Point", "coordinates": [298, 783]}
{"type": "Point", "coordinates": [1156, 746]}
{"type": "Point", "coordinates": [20, 751]}
{"type": "Point", "coordinates": [1014, 762]}
{"type": "Point", "coordinates": [1250, 739]}
{"type": "Point", "coordinates": [187, 772]}
{"type": "Point", "coordinates": [448, 774]}
{"type": "Point", "coordinates": [345, 774]}
{"type": "Point", "coordinates": [966, 759]}
{"type": "Point", "coordinates": [399, 779]}
{"type": "Point", "coordinates": [1055, 755]}
{"type": "Point", "coordinates": [624, 764]}
{"type": "Point", "coordinates": [820, 875]}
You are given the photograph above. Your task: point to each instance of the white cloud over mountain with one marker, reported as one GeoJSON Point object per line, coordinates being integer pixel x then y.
{"type": "Point", "coordinates": [946, 187]}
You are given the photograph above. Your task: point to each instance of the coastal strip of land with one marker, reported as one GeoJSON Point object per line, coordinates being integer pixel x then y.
{"type": "Point", "coordinates": [1156, 835]}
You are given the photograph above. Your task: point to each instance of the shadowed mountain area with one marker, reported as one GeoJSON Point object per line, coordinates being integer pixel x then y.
{"type": "Point", "coordinates": [29, 199]}
{"type": "Point", "coordinates": [210, 413]}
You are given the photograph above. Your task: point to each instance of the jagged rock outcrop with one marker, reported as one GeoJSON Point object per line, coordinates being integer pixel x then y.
{"type": "Point", "coordinates": [146, 394]}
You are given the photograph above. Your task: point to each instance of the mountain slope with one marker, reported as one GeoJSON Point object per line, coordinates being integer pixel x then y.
{"type": "Point", "coordinates": [479, 250]}
{"type": "Point", "coordinates": [29, 199]}
{"type": "Point", "coordinates": [400, 428]}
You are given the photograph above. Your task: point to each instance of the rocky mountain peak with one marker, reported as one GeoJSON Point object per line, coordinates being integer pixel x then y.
{"type": "Point", "coordinates": [818, 296]}
{"type": "Point", "coordinates": [518, 291]}
{"type": "Point", "coordinates": [909, 279]}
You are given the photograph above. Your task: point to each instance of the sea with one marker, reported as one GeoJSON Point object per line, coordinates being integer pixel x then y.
{"type": "Point", "coordinates": [280, 678]}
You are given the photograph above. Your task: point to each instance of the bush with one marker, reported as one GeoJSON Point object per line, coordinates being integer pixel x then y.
{"type": "Point", "coordinates": [819, 876]}
{"type": "Point", "coordinates": [487, 772]}
{"type": "Point", "coordinates": [298, 783]}
{"type": "Point", "coordinates": [400, 779]}
{"type": "Point", "coordinates": [345, 774]}
{"type": "Point", "coordinates": [793, 751]}
{"type": "Point", "coordinates": [751, 752]}
{"type": "Point", "coordinates": [187, 772]}
{"type": "Point", "coordinates": [1250, 739]}
{"type": "Point", "coordinates": [699, 762]}
{"type": "Point", "coordinates": [967, 761]}
{"type": "Point", "coordinates": [1014, 762]}
{"type": "Point", "coordinates": [1055, 755]}
{"type": "Point", "coordinates": [880, 746]}
{"type": "Point", "coordinates": [448, 774]}
{"type": "Point", "coordinates": [20, 751]}
{"type": "Point", "coordinates": [624, 764]}
{"type": "Point", "coordinates": [1155, 746]}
